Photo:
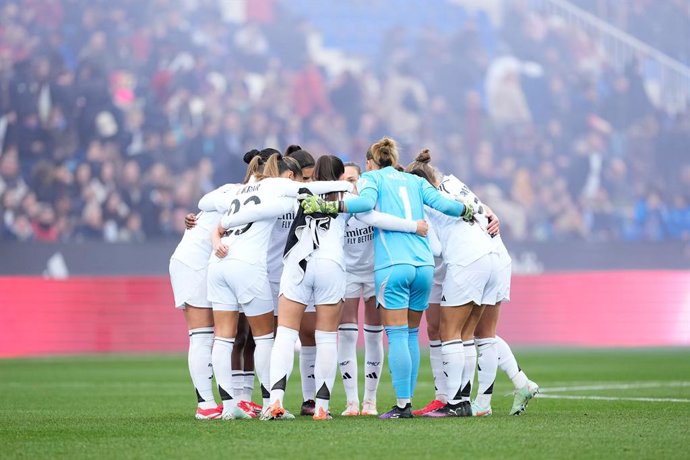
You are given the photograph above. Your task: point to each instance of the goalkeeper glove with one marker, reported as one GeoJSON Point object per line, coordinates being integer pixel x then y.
{"type": "Point", "coordinates": [468, 214]}
{"type": "Point", "coordinates": [313, 204]}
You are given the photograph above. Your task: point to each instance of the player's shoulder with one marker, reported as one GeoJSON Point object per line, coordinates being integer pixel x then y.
{"type": "Point", "coordinates": [452, 184]}
{"type": "Point", "coordinates": [368, 179]}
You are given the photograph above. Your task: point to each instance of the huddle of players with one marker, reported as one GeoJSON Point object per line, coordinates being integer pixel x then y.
{"type": "Point", "coordinates": [254, 250]}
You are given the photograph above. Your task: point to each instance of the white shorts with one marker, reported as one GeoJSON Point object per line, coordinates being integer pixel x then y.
{"type": "Point", "coordinates": [503, 279]}
{"type": "Point", "coordinates": [189, 285]}
{"type": "Point", "coordinates": [357, 286]}
{"type": "Point", "coordinates": [475, 283]}
{"type": "Point", "coordinates": [275, 293]}
{"type": "Point", "coordinates": [323, 284]}
{"type": "Point", "coordinates": [437, 288]}
{"type": "Point", "coordinates": [234, 285]}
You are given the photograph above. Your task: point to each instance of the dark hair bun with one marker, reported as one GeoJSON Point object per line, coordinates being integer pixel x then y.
{"type": "Point", "coordinates": [423, 157]}
{"type": "Point", "coordinates": [250, 155]}
{"type": "Point", "coordinates": [267, 152]}
{"type": "Point", "coordinates": [303, 157]}
{"type": "Point", "coordinates": [292, 148]}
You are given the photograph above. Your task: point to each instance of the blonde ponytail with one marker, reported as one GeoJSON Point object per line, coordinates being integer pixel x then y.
{"type": "Point", "coordinates": [385, 152]}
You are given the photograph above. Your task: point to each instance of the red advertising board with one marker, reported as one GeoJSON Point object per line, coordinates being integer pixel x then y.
{"type": "Point", "coordinates": [136, 314]}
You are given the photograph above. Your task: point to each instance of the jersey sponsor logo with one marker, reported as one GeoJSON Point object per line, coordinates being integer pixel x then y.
{"type": "Point", "coordinates": [359, 235]}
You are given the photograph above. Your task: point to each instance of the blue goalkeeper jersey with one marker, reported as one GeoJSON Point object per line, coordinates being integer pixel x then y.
{"type": "Point", "coordinates": [403, 195]}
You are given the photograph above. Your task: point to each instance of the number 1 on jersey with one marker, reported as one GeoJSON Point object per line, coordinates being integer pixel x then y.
{"type": "Point", "coordinates": [405, 198]}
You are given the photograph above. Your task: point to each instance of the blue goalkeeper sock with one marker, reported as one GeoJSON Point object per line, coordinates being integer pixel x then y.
{"type": "Point", "coordinates": [399, 362]}
{"type": "Point", "coordinates": [413, 346]}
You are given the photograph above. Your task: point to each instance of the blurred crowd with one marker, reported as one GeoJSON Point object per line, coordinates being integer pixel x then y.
{"type": "Point", "coordinates": [116, 116]}
{"type": "Point", "coordinates": [664, 25]}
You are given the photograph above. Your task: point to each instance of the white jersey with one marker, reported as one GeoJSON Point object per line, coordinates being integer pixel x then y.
{"type": "Point", "coordinates": [332, 242]}
{"type": "Point", "coordinates": [456, 187]}
{"type": "Point", "coordinates": [249, 242]}
{"type": "Point", "coordinates": [462, 242]}
{"type": "Point", "coordinates": [359, 239]}
{"type": "Point", "coordinates": [359, 249]}
{"type": "Point", "coordinates": [195, 247]}
{"type": "Point", "coordinates": [276, 246]}
{"type": "Point", "coordinates": [273, 244]}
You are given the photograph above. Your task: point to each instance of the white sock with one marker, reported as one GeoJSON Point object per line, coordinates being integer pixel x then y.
{"type": "Point", "coordinates": [402, 402]}
{"type": "Point", "coordinates": [248, 387]}
{"type": "Point", "coordinates": [508, 364]}
{"type": "Point", "coordinates": [487, 364]}
{"type": "Point", "coordinates": [238, 385]}
{"type": "Point", "coordinates": [222, 368]}
{"type": "Point", "coordinates": [326, 366]}
{"type": "Point", "coordinates": [373, 360]}
{"type": "Point", "coordinates": [347, 360]}
{"type": "Point", "coordinates": [200, 367]}
{"type": "Point", "coordinates": [307, 358]}
{"type": "Point", "coordinates": [440, 380]}
{"type": "Point", "coordinates": [282, 357]}
{"type": "Point", "coordinates": [453, 357]}
{"type": "Point", "coordinates": [262, 364]}
{"type": "Point", "coordinates": [469, 368]}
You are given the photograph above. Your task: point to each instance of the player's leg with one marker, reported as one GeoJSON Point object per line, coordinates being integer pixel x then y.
{"type": "Point", "coordinates": [487, 361]}
{"type": "Point", "coordinates": [225, 317]}
{"type": "Point", "coordinates": [348, 333]}
{"type": "Point", "coordinates": [463, 289]}
{"type": "Point", "coordinates": [262, 329]}
{"type": "Point", "coordinates": [307, 359]}
{"type": "Point", "coordinates": [200, 327]}
{"type": "Point", "coordinates": [373, 353]}
{"type": "Point", "coordinates": [453, 319]}
{"type": "Point", "coordinates": [326, 366]}
{"type": "Point", "coordinates": [238, 358]}
{"type": "Point", "coordinates": [470, 366]}
{"type": "Point", "coordinates": [525, 389]}
{"type": "Point", "coordinates": [393, 293]}
{"type": "Point", "coordinates": [433, 318]}
{"type": "Point", "coordinates": [328, 292]}
{"type": "Point", "coordinates": [190, 293]}
{"type": "Point", "coordinates": [420, 290]}
{"type": "Point", "coordinates": [249, 368]}
{"type": "Point", "coordinates": [290, 314]}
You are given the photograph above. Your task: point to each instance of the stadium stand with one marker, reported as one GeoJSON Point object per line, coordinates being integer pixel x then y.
{"type": "Point", "coordinates": [117, 116]}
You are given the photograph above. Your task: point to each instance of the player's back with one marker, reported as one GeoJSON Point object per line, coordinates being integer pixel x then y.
{"type": "Point", "coordinates": [399, 194]}
{"type": "Point", "coordinates": [247, 242]}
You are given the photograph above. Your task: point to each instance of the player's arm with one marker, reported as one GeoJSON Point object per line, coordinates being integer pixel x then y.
{"type": "Point", "coordinates": [289, 188]}
{"type": "Point", "coordinates": [392, 223]}
{"type": "Point", "coordinates": [216, 200]}
{"type": "Point", "coordinates": [366, 201]}
{"type": "Point", "coordinates": [494, 224]}
{"type": "Point", "coordinates": [219, 248]}
{"type": "Point", "coordinates": [453, 208]}
{"type": "Point", "coordinates": [268, 209]}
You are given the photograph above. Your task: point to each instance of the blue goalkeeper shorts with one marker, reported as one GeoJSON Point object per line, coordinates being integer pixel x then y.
{"type": "Point", "coordinates": [404, 286]}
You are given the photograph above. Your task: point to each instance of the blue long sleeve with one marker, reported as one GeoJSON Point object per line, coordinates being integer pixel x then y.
{"type": "Point", "coordinates": [434, 199]}
{"type": "Point", "coordinates": [366, 201]}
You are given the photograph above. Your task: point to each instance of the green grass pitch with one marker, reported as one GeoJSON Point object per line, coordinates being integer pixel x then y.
{"type": "Point", "coordinates": [142, 407]}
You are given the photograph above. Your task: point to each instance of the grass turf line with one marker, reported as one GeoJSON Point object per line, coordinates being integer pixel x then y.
{"type": "Point", "coordinates": [142, 407]}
